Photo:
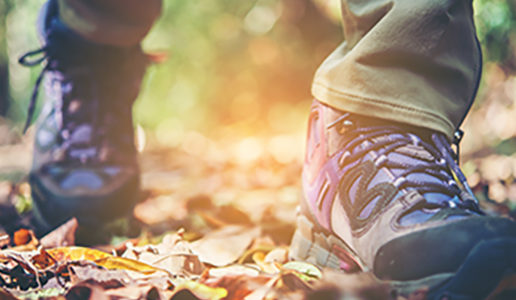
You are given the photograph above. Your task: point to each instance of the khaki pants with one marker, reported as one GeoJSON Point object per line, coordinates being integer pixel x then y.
{"type": "Point", "coordinates": [114, 22]}
{"type": "Point", "coordinates": [412, 61]}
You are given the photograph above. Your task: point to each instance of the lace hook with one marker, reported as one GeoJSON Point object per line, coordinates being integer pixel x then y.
{"type": "Point", "coordinates": [24, 59]}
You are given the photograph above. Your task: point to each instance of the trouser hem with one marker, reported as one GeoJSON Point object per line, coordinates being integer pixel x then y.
{"type": "Point", "coordinates": [103, 26]}
{"type": "Point", "coordinates": [382, 109]}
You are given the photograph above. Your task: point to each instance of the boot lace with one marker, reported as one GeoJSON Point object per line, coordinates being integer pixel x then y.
{"type": "Point", "coordinates": [388, 139]}
{"type": "Point", "coordinates": [86, 144]}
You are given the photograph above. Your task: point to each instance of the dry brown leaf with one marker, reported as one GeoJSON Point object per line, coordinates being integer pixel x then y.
{"type": "Point", "coordinates": [199, 202]}
{"type": "Point", "coordinates": [360, 285]}
{"type": "Point", "coordinates": [225, 215]}
{"type": "Point", "coordinates": [105, 278]}
{"type": "Point", "coordinates": [43, 260]}
{"type": "Point", "coordinates": [5, 295]}
{"type": "Point", "coordinates": [86, 291]}
{"type": "Point", "coordinates": [234, 270]}
{"type": "Point", "coordinates": [280, 231]}
{"type": "Point", "coordinates": [62, 236]}
{"type": "Point", "coordinates": [262, 292]}
{"type": "Point", "coordinates": [119, 263]}
{"type": "Point", "coordinates": [225, 245]}
{"type": "Point", "coordinates": [292, 282]}
{"type": "Point", "coordinates": [202, 291]}
{"type": "Point", "coordinates": [240, 286]}
{"type": "Point", "coordinates": [277, 255]}
{"type": "Point", "coordinates": [184, 294]}
{"type": "Point", "coordinates": [20, 259]}
{"type": "Point", "coordinates": [186, 264]}
{"type": "Point", "coordinates": [114, 279]}
{"type": "Point", "coordinates": [172, 254]}
{"type": "Point", "coordinates": [282, 286]}
{"type": "Point", "coordinates": [24, 237]}
{"type": "Point", "coordinates": [135, 292]}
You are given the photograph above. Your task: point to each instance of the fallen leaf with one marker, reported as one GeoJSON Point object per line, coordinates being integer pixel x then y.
{"type": "Point", "coordinates": [134, 292]}
{"type": "Point", "coordinates": [292, 282]}
{"type": "Point", "coordinates": [234, 270]}
{"type": "Point", "coordinates": [199, 202]}
{"type": "Point", "coordinates": [203, 291]}
{"type": "Point", "coordinates": [188, 264]}
{"type": "Point", "coordinates": [309, 271]}
{"type": "Point", "coordinates": [102, 277]}
{"type": "Point", "coordinates": [86, 291]}
{"type": "Point", "coordinates": [5, 295]}
{"type": "Point", "coordinates": [248, 254]}
{"type": "Point", "coordinates": [24, 237]}
{"type": "Point", "coordinates": [120, 263]}
{"type": "Point", "coordinates": [259, 259]}
{"type": "Point", "coordinates": [225, 245]}
{"type": "Point", "coordinates": [262, 292]}
{"type": "Point", "coordinates": [362, 285]}
{"type": "Point", "coordinates": [43, 260]}
{"type": "Point", "coordinates": [172, 254]}
{"type": "Point", "coordinates": [103, 259]}
{"type": "Point", "coordinates": [75, 253]}
{"type": "Point", "coordinates": [280, 231]}
{"type": "Point", "coordinates": [225, 215]}
{"type": "Point", "coordinates": [277, 255]}
{"type": "Point", "coordinates": [238, 286]}
{"type": "Point", "coordinates": [62, 236]}
{"type": "Point", "coordinates": [184, 295]}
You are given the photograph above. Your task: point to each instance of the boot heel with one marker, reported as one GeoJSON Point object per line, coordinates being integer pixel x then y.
{"type": "Point", "coordinates": [321, 249]}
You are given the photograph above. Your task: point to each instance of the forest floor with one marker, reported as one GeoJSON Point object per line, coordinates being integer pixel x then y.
{"type": "Point", "coordinates": [215, 222]}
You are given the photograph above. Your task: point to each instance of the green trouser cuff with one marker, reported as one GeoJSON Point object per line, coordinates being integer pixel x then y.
{"type": "Point", "coordinates": [110, 22]}
{"type": "Point", "coordinates": [417, 62]}
{"type": "Point", "coordinates": [382, 108]}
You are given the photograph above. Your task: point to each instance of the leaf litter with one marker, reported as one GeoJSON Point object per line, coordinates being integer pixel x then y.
{"type": "Point", "coordinates": [223, 254]}
{"type": "Point", "coordinates": [229, 262]}
{"type": "Point", "coordinates": [209, 230]}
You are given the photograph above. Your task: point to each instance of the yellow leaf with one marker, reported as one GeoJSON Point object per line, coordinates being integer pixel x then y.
{"type": "Point", "coordinates": [259, 259]}
{"type": "Point", "coordinates": [101, 258]}
{"type": "Point", "coordinates": [76, 253]}
{"type": "Point", "coordinates": [121, 263]}
{"type": "Point", "coordinates": [203, 291]}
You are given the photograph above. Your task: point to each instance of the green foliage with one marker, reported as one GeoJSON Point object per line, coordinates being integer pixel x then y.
{"type": "Point", "coordinates": [231, 63]}
{"type": "Point", "coordinates": [496, 27]}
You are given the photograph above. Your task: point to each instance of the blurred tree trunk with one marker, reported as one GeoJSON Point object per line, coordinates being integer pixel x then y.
{"type": "Point", "coordinates": [5, 6]}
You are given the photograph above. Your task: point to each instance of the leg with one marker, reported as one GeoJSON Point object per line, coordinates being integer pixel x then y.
{"type": "Point", "coordinates": [84, 162]}
{"type": "Point", "coordinates": [416, 62]}
{"type": "Point", "coordinates": [382, 188]}
{"type": "Point", "coordinates": [113, 22]}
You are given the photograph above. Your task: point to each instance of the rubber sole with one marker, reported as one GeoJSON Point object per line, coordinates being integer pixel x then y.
{"type": "Point", "coordinates": [490, 266]}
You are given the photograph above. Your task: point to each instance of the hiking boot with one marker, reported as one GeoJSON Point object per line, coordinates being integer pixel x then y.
{"type": "Point", "coordinates": [84, 162]}
{"type": "Point", "coordinates": [390, 199]}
